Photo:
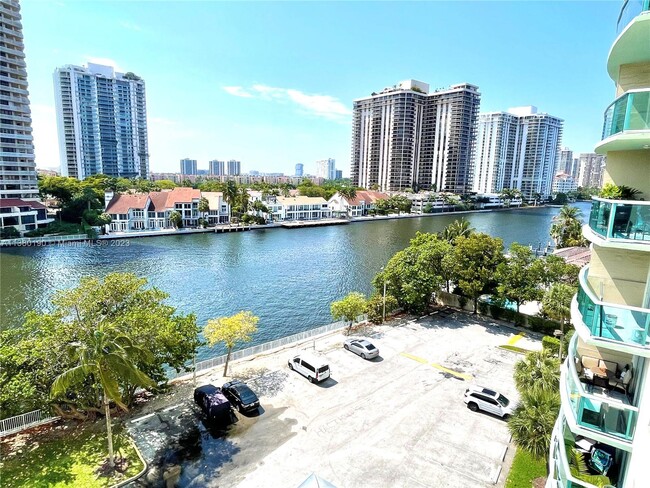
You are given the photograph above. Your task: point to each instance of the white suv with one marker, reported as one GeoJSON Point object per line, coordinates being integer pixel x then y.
{"type": "Point", "coordinates": [479, 398]}
{"type": "Point", "coordinates": [313, 367]}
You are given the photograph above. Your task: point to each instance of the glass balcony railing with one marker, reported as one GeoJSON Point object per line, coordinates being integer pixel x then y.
{"type": "Point", "coordinates": [597, 408]}
{"type": "Point", "coordinates": [620, 323]}
{"type": "Point", "coordinates": [616, 219]}
{"type": "Point", "coordinates": [562, 470]}
{"type": "Point", "coordinates": [628, 112]}
{"type": "Point", "coordinates": [630, 9]}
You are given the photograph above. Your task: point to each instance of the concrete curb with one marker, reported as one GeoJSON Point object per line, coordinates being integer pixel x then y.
{"type": "Point", "coordinates": [140, 474]}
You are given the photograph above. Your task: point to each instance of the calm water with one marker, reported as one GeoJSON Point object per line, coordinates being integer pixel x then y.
{"type": "Point", "coordinates": [286, 277]}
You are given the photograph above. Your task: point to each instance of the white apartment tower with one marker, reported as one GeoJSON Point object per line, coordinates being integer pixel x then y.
{"type": "Point", "coordinates": [188, 166]}
{"type": "Point", "coordinates": [406, 137]}
{"type": "Point", "coordinates": [565, 161]}
{"type": "Point", "coordinates": [326, 168]}
{"type": "Point", "coordinates": [517, 149]}
{"type": "Point", "coordinates": [17, 166]}
{"type": "Point", "coordinates": [591, 169]}
{"type": "Point", "coordinates": [217, 168]}
{"type": "Point", "coordinates": [102, 122]}
{"type": "Point", "coordinates": [233, 168]}
{"type": "Point", "coordinates": [604, 418]}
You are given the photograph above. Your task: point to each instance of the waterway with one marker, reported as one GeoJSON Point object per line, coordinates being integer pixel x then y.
{"type": "Point", "coordinates": [288, 277]}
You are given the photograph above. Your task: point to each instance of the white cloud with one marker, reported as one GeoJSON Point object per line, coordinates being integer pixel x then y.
{"type": "Point", "coordinates": [105, 62]}
{"type": "Point", "coordinates": [320, 105]}
{"type": "Point", "coordinates": [237, 91]}
{"type": "Point", "coordinates": [128, 25]}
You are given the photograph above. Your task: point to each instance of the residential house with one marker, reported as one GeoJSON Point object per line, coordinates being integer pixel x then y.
{"type": "Point", "coordinates": [357, 206]}
{"type": "Point", "coordinates": [22, 215]}
{"type": "Point", "coordinates": [219, 209]}
{"type": "Point", "coordinates": [303, 208]}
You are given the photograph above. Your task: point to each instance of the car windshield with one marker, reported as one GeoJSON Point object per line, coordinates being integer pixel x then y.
{"type": "Point", "coordinates": [370, 347]}
{"type": "Point", "coordinates": [247, 396]}
{"type": "Point", "coordinates": [503, 401]}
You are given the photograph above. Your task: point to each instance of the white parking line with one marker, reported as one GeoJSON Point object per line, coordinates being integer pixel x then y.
{"type": "Point", "coordinates": [144, 417]}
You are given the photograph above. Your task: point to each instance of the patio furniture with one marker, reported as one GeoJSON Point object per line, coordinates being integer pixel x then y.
{"type": "Point", "coordinates": [600, 461]}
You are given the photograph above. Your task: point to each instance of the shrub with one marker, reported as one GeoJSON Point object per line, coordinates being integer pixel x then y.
{"type": "Point", "coordinates": [483, 308]}
{"type": "Point", "coordinates": [375, 307]}
{"type": "Point", "coordinates": [551, 344]}
{"type": "Point", "coordinates": [9, 233]}
{"type": "Point", "coordinates": [496, 312]}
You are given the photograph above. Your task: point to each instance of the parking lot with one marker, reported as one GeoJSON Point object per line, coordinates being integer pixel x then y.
{"type": "Point", "coordinates": [397, 420]}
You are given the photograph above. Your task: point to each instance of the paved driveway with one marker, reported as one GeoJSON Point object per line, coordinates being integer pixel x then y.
{"type": "Point", "coordinates": [395, 421]}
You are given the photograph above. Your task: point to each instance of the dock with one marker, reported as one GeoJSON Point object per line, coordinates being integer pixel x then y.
{"type": "Point", "coordinates": [297, 224]}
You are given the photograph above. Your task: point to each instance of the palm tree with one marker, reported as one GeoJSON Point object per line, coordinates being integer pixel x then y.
{"type": "Point", "coordinates": [456, 229]}
{"type": "Point", "coordinates": [531, 424]}
{"type": "Point", "coordinates": [566, 229]}
{"type": "Point", "coordinates": [348, 192]}
{"type": "Point", "coordinates": [539, 370]}
{"type": "Point", "coordinates": [230, 196]}
{"type": "Point", "coordinates": [109, 361]}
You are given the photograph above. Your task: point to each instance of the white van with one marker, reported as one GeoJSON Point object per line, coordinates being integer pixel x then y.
{"type": "Point", "coordinates": [312, 367]}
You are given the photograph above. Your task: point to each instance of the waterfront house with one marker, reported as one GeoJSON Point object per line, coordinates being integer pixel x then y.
{"type": "Point", "coordinates": [22, 215]}
{"type": "Point", "coordinates": [219, 209]}
{"type": "Point", "coordinates": [303, 208]}
{"type": "Point", "coordinates": [357, 206]}
{"type": "Point", "coordinates": [128, 211]}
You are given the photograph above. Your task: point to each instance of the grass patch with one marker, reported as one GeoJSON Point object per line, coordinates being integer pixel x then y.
{"type": "Point", "coordinates": [525, 468]}
{"type": "Point", "coordinates": [519, 350]}
{"type": "Point", "coordinates": [66, 458]}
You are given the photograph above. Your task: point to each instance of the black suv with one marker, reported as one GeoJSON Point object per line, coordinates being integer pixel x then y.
{"type": "Point", "coordinates": [241, 396]}
{"type": "Point", "coordinates": [213, 403]}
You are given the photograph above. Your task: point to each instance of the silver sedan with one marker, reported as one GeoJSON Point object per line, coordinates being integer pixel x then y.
{"type": "Point", "coordinates": [362, 347]}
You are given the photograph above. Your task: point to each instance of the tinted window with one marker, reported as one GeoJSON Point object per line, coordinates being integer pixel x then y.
{"type": "Point", "coordinates": [504, 401]}
{"type": "Point", "coordinates": [370, 347]}
{"type": "Point", "coordinates": [308, 366]}
{"type": "Point", "coordinates": [323, 369]}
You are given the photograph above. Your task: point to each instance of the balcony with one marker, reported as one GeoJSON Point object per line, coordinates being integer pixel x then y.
{"type": "Point", "coordinates": [620, 221]}
{"type": "Point", "coordinates": [602, 463]}
{"type": "Point", "coordinates": [598, 398]}
{"type": "Point", "coordinates": [627, 122]}
{"type": "Point", "coordinates": [621, 324]}
{"type": "Point", "coordinates": [633, 29]}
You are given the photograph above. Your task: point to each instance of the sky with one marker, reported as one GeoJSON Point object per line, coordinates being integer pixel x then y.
{"type": "Point", "coordinates": [272, 83]}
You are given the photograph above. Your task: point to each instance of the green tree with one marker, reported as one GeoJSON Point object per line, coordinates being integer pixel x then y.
{"type": "Point", "coordinates": [517, 277]}
{"type": "Point", "coordinates": [348, 192]}
{"type": "Point", "coordinates": [538, 369]}
{"type": "Point", "coordinates": [176, 219]}
{"type": "Point", "coordinates": [104, 360]}
{"type": "Point", "coordinates": [165, 184]}
{"type": "Point", "coordinates": [532, 421]}
{"type": "Point", "coordinates": [456, 229]}
{"type": "Point", "coordinates": [204, 206]}
{"type": "Point", "coordinates": [475, 259]}
{"type": "Point", "coordinates": [231, 331]}
{"type": "Point", "coordinates": [121, 304]}
{"type": "Point", "coordinates": [556, 304]}
{"type": "Point", "coordinates": [375, 307]}
{"type": "Point", "coordinates": [566, 229]}
{"type": "Point", "coordinates": [230, 196]}
{"type": "Point", "coordinates": [349, 308]}
{"type": "Point", "coordinates": [561, 199]}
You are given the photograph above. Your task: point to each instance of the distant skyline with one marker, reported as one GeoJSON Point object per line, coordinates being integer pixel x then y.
{"type": "Point", "coordinates": [261, 82]}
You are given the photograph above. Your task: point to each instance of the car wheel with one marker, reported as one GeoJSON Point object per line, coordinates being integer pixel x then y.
{"type": "Point", "coordinates": [346, 347]}
{"type": "Point", "coordinates": [290, 366]}
{"type": "Point", "coordinates": [363, 355]}
{"type": "Point", "coordinates": [506, 416]}
{"type": "Point", "coordinates": [311, 380]}
{"type": "Point", "coordinates": [472, 406]}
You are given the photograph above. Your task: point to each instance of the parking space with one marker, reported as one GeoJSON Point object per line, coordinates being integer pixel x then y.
{"type": "Point", "coordinates": [397, 420]}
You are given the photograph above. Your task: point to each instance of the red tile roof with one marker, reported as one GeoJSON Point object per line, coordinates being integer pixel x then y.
{"type": "Point", "coordinates": [122, 202]}
{"type": "Point", "coordinates": [182, 195]}
{"type": "Point", "coordinates": [17, 202]}
{"type": "Point", "coordinates": [367, 196]}
{"type": "Point", "coordinates": [158, 200]}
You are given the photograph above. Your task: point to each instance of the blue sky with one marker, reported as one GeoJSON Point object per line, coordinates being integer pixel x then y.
{"type": "Point", "coordinates": [272, 84]}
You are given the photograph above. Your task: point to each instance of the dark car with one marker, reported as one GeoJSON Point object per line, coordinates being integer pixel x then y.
{"type": "Point", "coordinates": [213, 402]}
{"type": "Point", "coordinates": [241, 396]}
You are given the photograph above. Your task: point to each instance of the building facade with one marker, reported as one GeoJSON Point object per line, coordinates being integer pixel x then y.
{"type": "Point", "coordinates": [102, 122]}
{"type": "Point", "coordinates": [591, 170]}
{"type": "Point", "coordinates": [605, 381]}
{"type": "Point", "coordinates": [189, 167]}
{"type": "Point", "coordinates": [233, 168]}
{"type": "Point", "coordinates": [565, 161]}
{"type": "Point", "coordinates": [217, 168]}
{"type": "Point", "coordinates": [564, 183]}
{"type": "Point", "coordinates": [405, 137]}
{"type": "Point", "coordinates": [299, 169]}
{"type": "Point", "coordinates": [17, 166]}
{"type": "Point", "coordinates": [517, 149]}
{"type": "Point", "coordinates": [326, 169]}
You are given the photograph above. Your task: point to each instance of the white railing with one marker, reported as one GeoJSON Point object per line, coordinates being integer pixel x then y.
{"type": "Point", "coordinates": [267, 346]}
{"type": "Point", "coordinates": [41, 241]}
{"type": "Point", "coordinates": [24, 421]}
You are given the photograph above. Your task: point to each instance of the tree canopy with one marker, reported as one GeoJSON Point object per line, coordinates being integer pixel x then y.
{"type": "Point", "coordinates": [349, 307]}
{"type": "Point", "coordinates": [231, 331]}
{"type": "Point", "coordinates": [120, 305]}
